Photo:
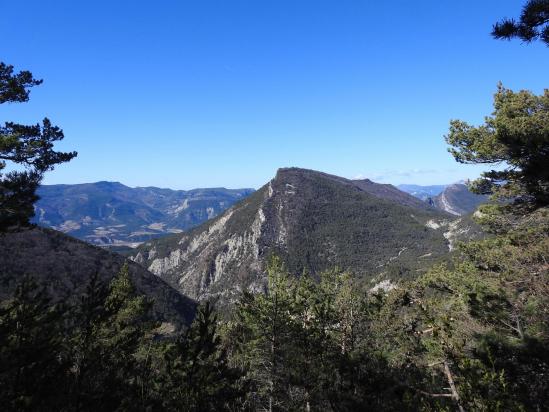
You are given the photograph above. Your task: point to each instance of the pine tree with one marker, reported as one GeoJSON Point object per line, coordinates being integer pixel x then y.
{"type": "Point", "coordinates": [33, 364]}
{"type": "Point", "coordinates": [112, 326]}
{"type": "Point", "coordinates": [262, 336]}
{"type": "Point", "coordinates": [305, 345]}
{"type": "Point", "coordinates": [197, 376]}
{"type": "Point", "coordinates": [533, 24]}
{"type": "Point", "coordinates": [28, 146]}
{"type": "Point", "coordinates": [516, 135]}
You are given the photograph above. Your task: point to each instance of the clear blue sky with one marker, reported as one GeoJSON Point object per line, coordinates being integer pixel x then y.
{"type": "Point", "coordinates": [202, 93]}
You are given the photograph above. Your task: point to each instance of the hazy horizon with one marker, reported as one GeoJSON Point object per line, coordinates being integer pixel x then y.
{"type": "Point", "coordinates": [359, 177]}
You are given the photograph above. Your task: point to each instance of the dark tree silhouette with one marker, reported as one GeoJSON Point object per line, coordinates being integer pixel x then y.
{"type": "Point", "coordinates": [29, 147]}
{"type": "Point", "coordinates": [14, 88]}
{"type": "Point", "coordinates": [533, 24]}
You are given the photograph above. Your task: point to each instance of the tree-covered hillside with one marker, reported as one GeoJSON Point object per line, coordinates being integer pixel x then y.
{"type": "Point", "coordinates": [64, 266]}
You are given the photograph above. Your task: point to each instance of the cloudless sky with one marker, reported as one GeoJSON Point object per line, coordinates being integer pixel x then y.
{"type": "Point", "coordinates": [203, 93]}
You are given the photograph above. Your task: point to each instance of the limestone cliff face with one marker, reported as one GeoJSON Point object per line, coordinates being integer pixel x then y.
{"type": "Point", "coordinates": [219, 258]}
{"type": "Point", "coordinates": [314, 221]}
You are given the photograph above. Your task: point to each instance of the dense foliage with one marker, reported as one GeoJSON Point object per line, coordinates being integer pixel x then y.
{"type": "Point", "coordinates": [106, 353]}
{"type": "Point", "coordinates": [304, 346]}
{"type": "Point", "coordinates": [30, 147]}
{"type": "Point", "coordinates": [486, 316]}
{"type": "Point", "coordinates": [472, 334]}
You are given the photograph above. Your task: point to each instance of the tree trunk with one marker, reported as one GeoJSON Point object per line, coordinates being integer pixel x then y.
{"type": "Point", "coordinates": [455, 394]}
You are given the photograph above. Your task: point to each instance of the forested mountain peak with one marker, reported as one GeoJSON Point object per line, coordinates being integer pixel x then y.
{"type": "Point", "coordinates": [314, 221]}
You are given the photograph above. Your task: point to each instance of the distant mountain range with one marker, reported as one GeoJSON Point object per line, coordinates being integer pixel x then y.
{"type": "Point", "coordinates": [314, 221]}
{"type": "Point", "coordinates": [422, 192]}
{"type": "Point", "coordinates": [458, 200]}
{"type": "Point", "coordinates": [113, 215]}
{"type": "Point", "coordinates": [109, 213]}
{"type": "Point", "coordinates": [455, 199]}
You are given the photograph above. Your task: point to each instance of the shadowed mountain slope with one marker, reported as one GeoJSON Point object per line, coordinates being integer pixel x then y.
{"type": "Point", "coordinates": [65, 265]}
{"type": "Point", "coordinates": [314, 221]}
